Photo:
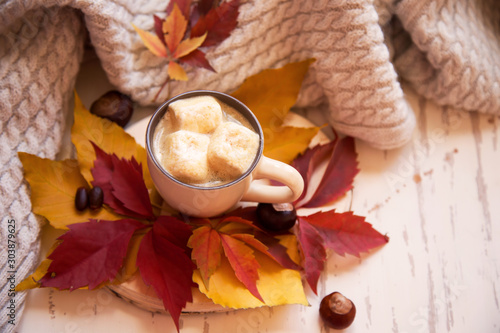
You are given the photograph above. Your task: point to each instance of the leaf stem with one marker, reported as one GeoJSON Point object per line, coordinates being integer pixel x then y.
{"type": "Point", "coordinates": [161, 88]}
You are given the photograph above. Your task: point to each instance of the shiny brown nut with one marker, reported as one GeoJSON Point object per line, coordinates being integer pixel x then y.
{"type": "Point", "coordinates": [81, 199]}
{"type": "Point", "coordinates": [337, 311]}
{"type": "Point", "coordinates": [114, 106]}
{"type": "Point", "coordinates": [276, 217]}
{"type": "Point", "coordinates": [96, 198]}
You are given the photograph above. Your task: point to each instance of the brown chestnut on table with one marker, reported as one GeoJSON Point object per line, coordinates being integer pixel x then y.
{"type": "Point", "coordinates": [114, 106]}
{"type": "Point", "coordinates": [337, 311]}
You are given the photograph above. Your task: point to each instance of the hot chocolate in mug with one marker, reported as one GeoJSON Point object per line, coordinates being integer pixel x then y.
{"type": "Point", "coordinates": [212, 200]}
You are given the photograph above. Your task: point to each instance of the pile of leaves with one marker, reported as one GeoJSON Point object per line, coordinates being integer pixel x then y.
{"type": "Point", "coordinates": [188, 29]}
{"type": "Point", "coordinates": [228, 258]}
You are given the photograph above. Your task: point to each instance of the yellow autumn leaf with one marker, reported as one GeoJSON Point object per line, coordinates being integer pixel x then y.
{"type": "Point", "coordinates": [109, 137]}
{"type": "Point", "coordinates": [53, 188]}
{"type": "Point", "coordinates": [189, 45]}
{"type": "Point", "coordinates": [176, 72]}
{"type": "Point", "coordinates": [30, 282]}
{"type": "Point", "coordinates": [269, 95]}
{"type": "Point", "coordinates": [276, 285]}
{"type": "Point", "coordinates": [152, 42]}
{"type": "Point", "coordinates": [287, 142]}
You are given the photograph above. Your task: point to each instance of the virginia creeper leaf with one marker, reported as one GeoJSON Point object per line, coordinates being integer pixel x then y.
{"type": "Point", "coordinates": [197, 59]}
{"type": "Point", "coordinates": [164, 264]}
{"type": "Point", "coordinates": [313, 252]}
{"type": "Point", "coordinates": [176, 72]}
{"type": "Point", "coordinates": [159, 29]}
{"type": "Point", "coordinates": [112, 139]}
{"type": "Point", "coordinates": [207, 250]}
{"type": "Point", "coordinates": [174, 28]}
{"type": "Point", "coordinates": [122, 184]}
{"type": "Point", "coordinates": [90, 253]}
{"type": "Point", "coordinates": [31, 281]}
{"type": "Point", "coordinates": [53, 188]}
{"type": "Point", "coordinates": [217, 23]}
{"type": "Point", "coordinates": [345, 232]}
{"type": "Point", "coordinates": [242, 260]}
{"type": "Point", "coordinates": [152, 42]}
{"type": "Point", "coordinates": [339, 174]}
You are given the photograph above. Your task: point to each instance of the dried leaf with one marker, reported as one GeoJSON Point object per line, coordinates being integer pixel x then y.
{"type": "Point", "coordinates": [176, 72]}
{"type": "Point", "coordinates": [276, 285]}
{"type": "Point", "coordinates": [189, 45]}
{"type": "Point", "coordinates": [218, 22]}
{"type": "Point", "coordinates": [152, 42]}
{"type": "Point", "coordinates": [197, 59]}
{"type": "Point", "coordinates": [174, 28]}
{"type": "Point", "coordinates": [287, 142]}
{"type": "Point", "coordinates": [90, 253]}
{"type": "Point", "coordinates": [242, 260]}
{"type": "Point", "coordinates": [207, 250]}
{"type": "Point", "coordinates": [122, 184]}
{"type": "Point", "coordinates": [165, 265]}
{"type": "Point", "coordinates": [53, 188]}
{"type": "Point", "coordinates": [339, 174]}
{"type": "Point", "coordinates": [111, 138]}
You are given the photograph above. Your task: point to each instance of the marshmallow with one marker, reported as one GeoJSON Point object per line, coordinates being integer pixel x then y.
{"type": "Point", "coordinates": [185, 156]}
{"type": "Point", "coordinates": [232, 150]}
{"type": "Point", "coordinates": [201, 114]}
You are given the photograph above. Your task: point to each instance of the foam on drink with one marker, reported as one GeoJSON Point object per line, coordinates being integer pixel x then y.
{"type": "Point", "coordinates": [204, 144]}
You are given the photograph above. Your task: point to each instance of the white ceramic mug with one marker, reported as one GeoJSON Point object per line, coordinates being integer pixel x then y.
{"type": "Point", "coordinates": [198, 201]}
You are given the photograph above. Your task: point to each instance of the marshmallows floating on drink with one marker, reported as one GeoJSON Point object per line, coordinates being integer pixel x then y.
{"type": "Point", "coordinates": [202, 141]}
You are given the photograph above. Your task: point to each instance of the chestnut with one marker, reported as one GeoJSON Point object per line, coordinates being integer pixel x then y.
{"type": "Point", "coordinates": [337, 311]}
{"type": "Point", "coordinates": [81, 198]}
{"type": "Point", "coordinates": [276, 217]}
{"type": "Point", "coordinates": [113, 106]}
{"type": "Point", "coordinates": [96, 198]}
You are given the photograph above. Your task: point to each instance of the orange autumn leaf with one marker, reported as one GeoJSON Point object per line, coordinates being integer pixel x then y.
{"type": "Point", "coordinates": [189, 45]}
{"type": "Point", "coordinates": [53, 188]}
{"type": "Point", "coordinates": [152, 42]}
{"type": "Point", "coordinates": [270, 94]}
{"type": "Point", "coordinates": [174, 28]}
{"type": "Point", "coordinates": [176, 72]}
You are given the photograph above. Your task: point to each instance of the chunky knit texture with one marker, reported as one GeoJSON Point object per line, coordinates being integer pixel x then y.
{"type": "Point", "coordinates": [449, 51]}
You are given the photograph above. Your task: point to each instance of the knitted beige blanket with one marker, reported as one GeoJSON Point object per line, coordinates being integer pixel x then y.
{"type": "Point", "coordinates": [448, 50]}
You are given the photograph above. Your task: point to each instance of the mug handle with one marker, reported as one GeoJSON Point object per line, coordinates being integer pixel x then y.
{"type": "Point", "coordinates": [279, 171]}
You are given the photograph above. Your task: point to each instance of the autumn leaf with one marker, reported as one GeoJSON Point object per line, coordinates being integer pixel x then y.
{"type": "Point", "coordinates": [53, 186]}
{"type": "Point", "coordinates": [176, 72]}
{"type": "Point", "coordinates": [31, 281]}
{"type": "Point", "coordinates": [339, 174]}
{"type": "Point", "coordinates": [196, 59]}
{"type": "Point", "coordinates": [189, 45]}
{"type": "Point", "coordinates": [287, 142]}
{"type": "Point", "coordinates": [152, 42]}
{"type": "Point", "coordinates": [276, 285]}
{"type": "Point", "coordinates": [123, 185]}
{"type": "Point", "coordinates": [217, 23]}
{"type": "Point", "coordinates": [164, 264]}
{"type": "Point", "coordinates": [270, 94]}
{"type": "Point", "coordinates": [183, 5]}
{"type": "Point", "coordinates": [90, 253]}
{"type": "Point", "coordinates": [174, 28]}
{"type": "Point", "coordinates": [112, 139]}
{"type": "Point", "coordinates": [341, 232]}
{"type": "Point", "coordinates": [207, 250]}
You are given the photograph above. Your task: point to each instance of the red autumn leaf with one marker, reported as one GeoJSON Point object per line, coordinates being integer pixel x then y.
{"type": "Point", "coordinates": [307, 162]}
{"type": "Point", "coordinates": [345, 232]}
{"type": "Point", "coordinates": [277, 251]}
{"type": "Point", "coordinates": [159, 29]}
{"type": "Point", "coordinates": [122, 183]}
{"type": "Point", "coordinates": [207, 250]}
{"type": "Point", "coordinates": [90, 253]}
{"type": "Point", "coordinates": [339, 174]}
{"type": "Point", "coordinates": [313, 252]}
{"type": "Point", "coordinates": [197, 59]}
{"type": "Point", "coordinates": [184, 6]}
{"type": "Point", "coordinates": [218, 23]}
{"type": "Point", "coordinates": [164, 263]}
{"type": "Point", "coordinates": [242, 260]}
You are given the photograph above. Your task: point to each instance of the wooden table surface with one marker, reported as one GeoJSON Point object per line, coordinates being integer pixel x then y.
{"type": "Point", "coordinates": [437, 198]}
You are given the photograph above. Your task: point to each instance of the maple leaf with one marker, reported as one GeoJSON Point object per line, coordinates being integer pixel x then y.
{"type": "Point", "coordinates": [164, 263]}
{"type": "Point", "coordinates": [53, 188]}
{"type": "Point", "coordinates": [270, 94]}
{"type": "Point", "coordinates": [341, 232]}
{"type": "Point", "coordinates": [90, 253]}
{"type": "Point", "coordinates": [122, 184]}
